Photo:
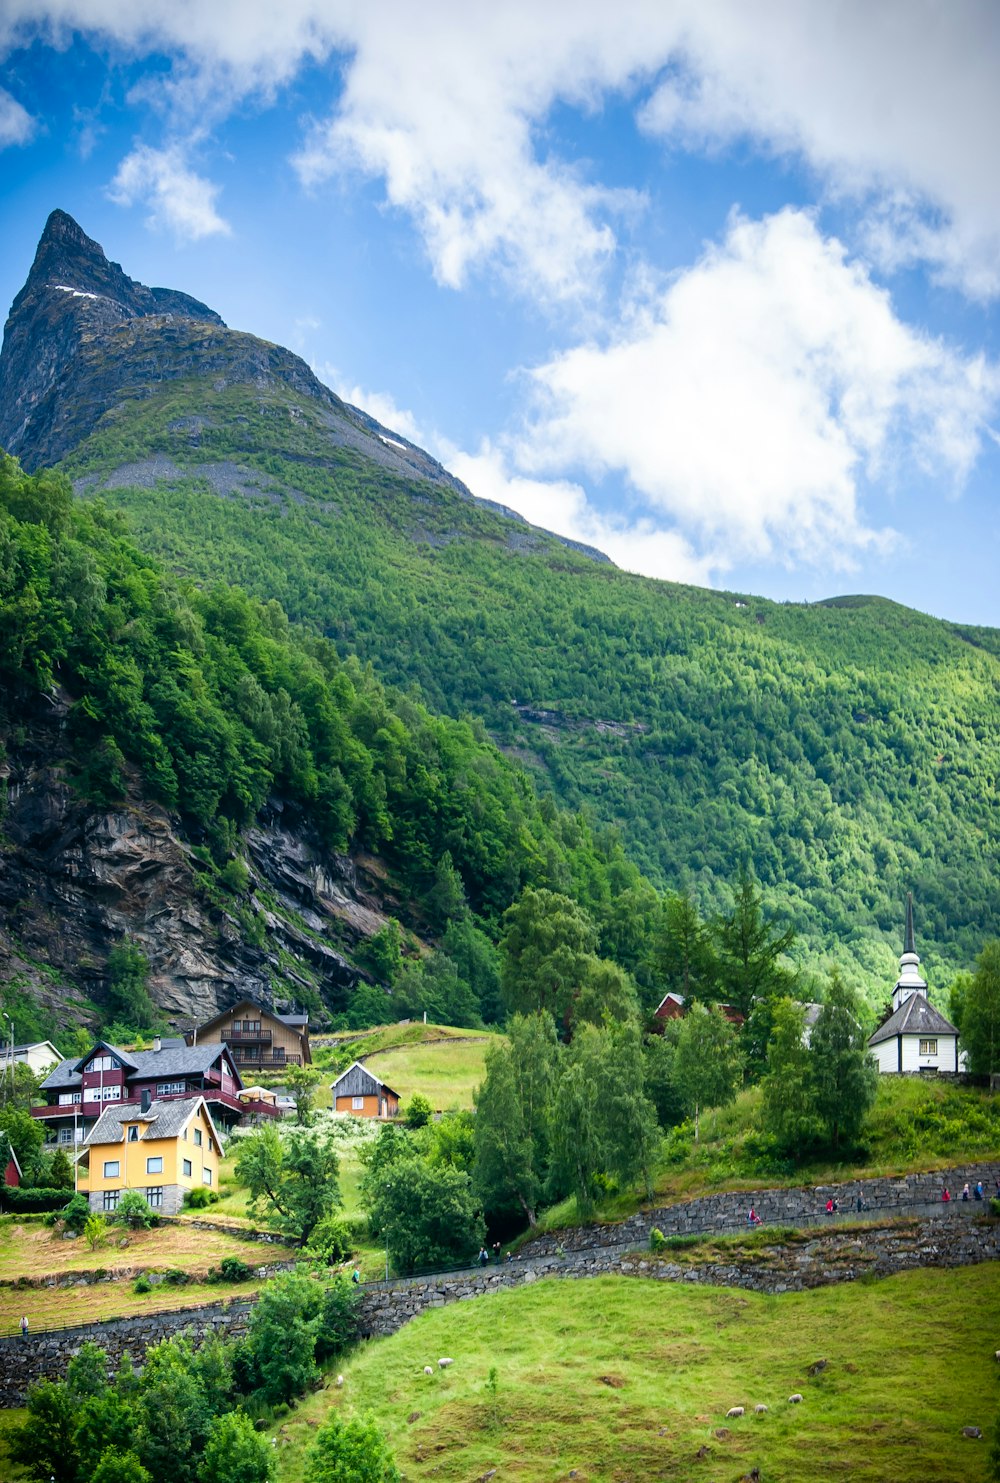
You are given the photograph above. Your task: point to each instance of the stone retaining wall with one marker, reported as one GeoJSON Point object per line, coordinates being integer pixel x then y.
{"type": "Point", "coordinates": [124, 1272]}
{"type": "Point", "coordinates": [907, 1194]}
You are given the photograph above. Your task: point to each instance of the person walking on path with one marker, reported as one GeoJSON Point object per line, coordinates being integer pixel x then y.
{"type": "Point", "coordinates": [24, 1326]}
{"type": "Point", "coordinates": [965, 1192]}
{"type": "Point", "coordinates": [979, 1190]}
{"type": "Point", "coordinates": [946, 1194]}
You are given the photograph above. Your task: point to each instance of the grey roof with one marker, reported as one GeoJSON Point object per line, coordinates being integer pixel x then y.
{"type": "Point", "coordinates": [915, 1016]}
{"type": "Point", "coordinates": [293, 1020]}
{"type": "Point", "coordinates": [166, 1118]}
{"type": "Point", "coordinates": [172, 1060]}
{"type": "Point", "coordinates": [358, 1081]}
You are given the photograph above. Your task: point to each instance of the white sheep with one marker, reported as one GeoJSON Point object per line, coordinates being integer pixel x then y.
{"type": "Point", "coordinates": [428, 1370]}
{"type": "Point", "coordinates": [760, 1410]}
{"type": "Point", "coordinates": [340, 1381]}
{"type": "Point", "coordinates": [735, 1411]}
{"type": "Point", "coordinates": [444, 1363]}
{"type": "Point", "coordinates": [793, 1400]}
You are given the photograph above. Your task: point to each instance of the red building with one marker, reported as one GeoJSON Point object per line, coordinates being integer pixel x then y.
{"type": "Point", "coordinates": [675, 1007]}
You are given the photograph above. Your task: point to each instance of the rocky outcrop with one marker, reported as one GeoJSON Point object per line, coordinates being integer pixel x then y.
{"type": "Point", "coordinates": [75, 880]}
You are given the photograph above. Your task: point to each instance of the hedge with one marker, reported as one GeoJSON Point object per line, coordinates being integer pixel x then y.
{"type": "Point", "coordinates": [22, 1201]}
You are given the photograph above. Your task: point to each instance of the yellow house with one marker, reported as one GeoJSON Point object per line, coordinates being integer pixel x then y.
{"type": "Point", "coordinates": [160, 1148]}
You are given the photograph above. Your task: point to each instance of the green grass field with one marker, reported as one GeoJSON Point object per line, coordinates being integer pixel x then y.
{"type": "Point", "coordinates": [624, 1381]}
{"type": "Point", "coordinates": [447, 1073]}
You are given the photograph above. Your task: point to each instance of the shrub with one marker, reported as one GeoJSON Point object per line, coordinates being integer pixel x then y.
{"type": "Point", "coordinates": [76, 1214]}
{"type": "Point", "coordinates": [330, 1241]}
{"type": "Point", "coordinates": [657, 1240]}
{"type": "Point", "coordinates": [994, 1206]}
{"type": "Point", "coordinates": [200, 1197]}
{"type": "Point", "coordinates": [230, 1269]}
{"type": "Point", "coordinates": [354, 1449]}
{"type": "Point", "coordinates": [418, 1111]}
{"type": "Point", "coordinates": [234, 1453]}
{"type": "Point", "coordinates": [338, 1325]}
{"type": "Point", "coordinates": [142, 1284]}
{"type": "Point", "coordinates": [133, 1211]}
{"type": "Point", "coordinates": [174, 1277]}
{"type": "Point", "coordinates": [95, 1231]}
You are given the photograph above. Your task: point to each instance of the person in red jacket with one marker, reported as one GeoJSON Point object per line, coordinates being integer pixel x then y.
{"type": "Point", "coordinates": [946, 1194]}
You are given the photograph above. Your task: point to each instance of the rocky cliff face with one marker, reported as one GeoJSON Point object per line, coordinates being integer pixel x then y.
{"type": "Point", "coordinates": [82, 337]}
{"type": "Point", "coordinates": [75, 880]}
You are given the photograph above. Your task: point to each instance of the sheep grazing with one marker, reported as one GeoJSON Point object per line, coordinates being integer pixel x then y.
{"type": "Point", "coordinates": [340, 1381]}
{"type": "Point", "coordinates": [444, 1363]}
{"type": "Point", "coordinates": [760, 1410]}
{"type": "Point", "coordinates": [793, 1400]}
{"type": "Point", "coordinates": [428, 1370]}
{"type": "Point", "coordinates": [735, 1411]}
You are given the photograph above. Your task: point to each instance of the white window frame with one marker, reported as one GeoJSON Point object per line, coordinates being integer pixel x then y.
{"type": "Point", "coordinates": [112, 1169]}
{"type": "Point", "coordinates": [133, 1133]}
{"type": "Point", "coordinates": [357, 1104]}
{"type": "Point", "coordinates": [928, 1047]}
{"type": "Point", "coordinates": [154, 1164]}
{"type": "Point", "coordinates": [110, 1200]}
{"type": "Point", "coordinates": [171, 1088]}
{"type": "Point", "coordinates": [206, 1176]}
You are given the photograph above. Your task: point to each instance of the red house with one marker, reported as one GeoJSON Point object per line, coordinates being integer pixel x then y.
{"type": "Point", "coordinates": [12, 1173]}
{"type": "Point", "coordinates": [675, 1007]}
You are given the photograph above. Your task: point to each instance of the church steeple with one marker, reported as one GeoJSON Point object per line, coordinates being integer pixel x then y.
{"type": "Point", "coordinates": [909, 980]}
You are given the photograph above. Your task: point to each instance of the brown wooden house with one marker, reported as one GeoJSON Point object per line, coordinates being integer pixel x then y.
{"type": "Point", "coordinates": [357, 1091]}
{"type": "Point", "coordinates": [259, 1039]}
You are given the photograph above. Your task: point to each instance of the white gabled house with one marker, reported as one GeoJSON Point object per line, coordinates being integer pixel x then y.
{"type": "Point", "coordinates": [916, 1036]}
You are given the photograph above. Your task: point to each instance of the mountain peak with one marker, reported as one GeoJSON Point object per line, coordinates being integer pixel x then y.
{"type": "Point", "coordinates": [73, 295]}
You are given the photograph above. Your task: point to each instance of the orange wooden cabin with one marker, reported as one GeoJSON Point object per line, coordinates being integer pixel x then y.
{"type": "Point", "coordinates": [359, 1092]}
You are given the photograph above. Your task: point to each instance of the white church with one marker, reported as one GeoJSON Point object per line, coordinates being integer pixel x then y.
{"type": "Point", "coordinates": [915, 1037]}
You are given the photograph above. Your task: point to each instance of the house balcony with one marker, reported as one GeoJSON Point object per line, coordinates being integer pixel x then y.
{"type": "Point", "coordinates": [247, 1037]}
{"type": "Point", "coordinates": [266, 1061]}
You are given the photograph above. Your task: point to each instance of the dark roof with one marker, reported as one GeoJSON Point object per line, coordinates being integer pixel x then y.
{"type": "Point", "coordinates": [915, 1016]}
{"type": "Point", "coordinates": [293, 1020]}
{"type": "Point", "coordinates": [173, 1059]}
{"type": "Point", "coordinates": [165, 1118]}
{"type": "Point", "coordinates": [358, 1081]}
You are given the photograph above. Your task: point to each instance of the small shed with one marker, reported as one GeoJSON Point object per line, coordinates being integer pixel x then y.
{"type": "Point", "coordinates": [357, 1091]}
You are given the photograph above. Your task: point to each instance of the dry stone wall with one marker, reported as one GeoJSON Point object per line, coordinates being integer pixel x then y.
{"type": "Point", "coordinates": [909, 1194]}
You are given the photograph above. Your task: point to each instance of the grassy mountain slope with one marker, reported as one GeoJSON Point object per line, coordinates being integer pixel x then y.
{"type": "Point", "coordinates": [851, 747]}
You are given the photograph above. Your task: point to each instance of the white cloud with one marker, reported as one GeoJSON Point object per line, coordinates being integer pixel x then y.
{"type": "Point", "coordinates": [16, 124]}
{"type": "Point", "coordinates": [749, 402]}
{"type": "Point", "coordinates": [562, 507]}
{"type": "Point", "coordinates": [450, 105]}
{"type": "Point", "coordinates": [177, 198]}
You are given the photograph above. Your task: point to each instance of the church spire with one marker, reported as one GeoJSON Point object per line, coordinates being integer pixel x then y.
{"type": "Point", "coordinates": [909, 980]}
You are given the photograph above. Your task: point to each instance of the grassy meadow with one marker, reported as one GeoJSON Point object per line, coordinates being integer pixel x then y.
{"type": "Point", "coordinates": [608, 1381]}
{"type": "Point", "coordinates": [446, 1073]}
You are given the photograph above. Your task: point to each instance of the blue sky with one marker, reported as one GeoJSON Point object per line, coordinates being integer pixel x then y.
{"type": "Point", "coordinates": [714, 288]}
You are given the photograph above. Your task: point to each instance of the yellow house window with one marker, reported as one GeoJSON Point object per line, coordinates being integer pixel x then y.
{"type": "Point", "coordinates": [154, 1166]}
{"type": "Point", "coordinates": [154, 1196]}
{"type": "Point", "coordinates": [187, 1167]}
{"type": "Point", "coordinates": [133, 1133]}
{"type": "Point", "coordinates": [928, 1048]}
{"type": "Point", "coordinates": [206, 1176]}
{"type": "Point", "coordinates": [111, 1199]}
{"type": "Point", "coordinates": [197, 1136]}
{"type": "Point", "coordinates": [112, 1168]}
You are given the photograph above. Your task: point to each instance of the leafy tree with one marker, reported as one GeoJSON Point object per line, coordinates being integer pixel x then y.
{"type": "Point", "coordinates": [660, 1053]}
{"type": "Point", "coordinates": [546, 944]}
{"type": "Point", "coordinates": [45, 1445]}
{"type": "Point", "coordinates": [60, 1171]}
{"type": "Point", "coordinates": [95, 1230]}
{"type": "Point", "coordinates": [750, 949]}
{"type": "Point", "coordinates": [174, 1412]}
{"type": "Point", "coordinates": [76, 1213]}
{"type": "Point", "coordinates": [788, 1110]}
{"type": "Point", "coordinates": [384, 952]}
{"type": "Point", "coordinates": [128, 987]}
{"type": "Point", "coordinates": [707, 1062]}
{"type": "Point", "coordinates": [116, 1466]}
{"type": "Point", "coordinates": [512, 1124]}
{"type": "Point", "coordinates": [958, 997]}
{"type": "Point", "coordinates": [453, 1140]}
{"type": "Point", "coordinates": [303, 1082]}
{"type": "Point", "coordinates": [294, 1181]}
{"type": "Point", "coordinates": [24, 1133]}
{"type": "Point", "coordinates": [427, 1216]}
{"type": "Point", "coordinates": [418, 1111]}
{"type": "Point", "coordinates": [351, 1451]}
{"type": "Point", "coordinates": [844, 1074]}
{"type": "Point", "coordinates": [281, 1338]}
{"type": "Point", "coordinates": [627, 1125]}
{"type": "Point", "coordinates": [445, 900]}
{"type": "Point", "coordinates": [330, 1240]}
{"type": "Point", "coordinates": [338, 1318]}
{"type": "Point", "coordinates": [477, 964]}
{"type": "Point", "coordinates": [606, 992]}
{"type": "Point", "coordinates": [575, 1133]}
{"type": "Point", "coordinates": [236, 1453]}
{"type": "Point", "coordinates": [981, 1018]}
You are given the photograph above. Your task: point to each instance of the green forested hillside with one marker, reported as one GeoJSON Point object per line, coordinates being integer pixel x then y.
{"type": "Point", "coordinates": [849, 748]}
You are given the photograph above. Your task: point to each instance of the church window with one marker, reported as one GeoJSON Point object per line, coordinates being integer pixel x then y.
{"type": "Point", "coordinates": [928, 1048]}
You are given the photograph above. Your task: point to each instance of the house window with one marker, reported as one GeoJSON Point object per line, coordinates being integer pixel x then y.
{"type": "Point", "coordinates": [197, 1137]}
{"type": "Point", "coordinates": [170, 1088]}
{"type": "Point", "coordinates": [68, 1099]}
{"type": "Point", "coordinates": [106, 1094]}
{"type": "Point", "coordinates": [154, 1166]}
{"type": "Point", "coordinates": [65, 1135]}
{"type": "Point", "coordinates": [112, 1168]}
{"type": "Point", "coordinates": [206, 1176]}
{"type": "Point", "coordinates": [357, 1104]}
{"type": "Point", "coordinates": [133, 1133]}
{"type": "Point", "coordinates": [187, 1167]}
{"type": "Point", "coordinates": [111, 1199]}
{"type": "Point", "coordinates": [103, 1063]}
{"type": "Point", "coordinates": [154, 1196]}
{"type": "Point", "coordinates": [928, 1048]}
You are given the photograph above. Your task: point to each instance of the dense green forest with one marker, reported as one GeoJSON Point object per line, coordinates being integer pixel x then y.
{"type": "Point", "coordinates": [849, 748]}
